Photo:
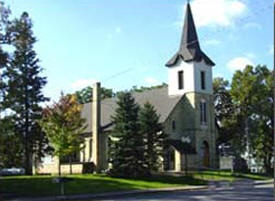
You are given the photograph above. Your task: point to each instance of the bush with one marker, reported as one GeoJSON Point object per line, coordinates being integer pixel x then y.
{"type": "Point", "coordinates": [88, 168]}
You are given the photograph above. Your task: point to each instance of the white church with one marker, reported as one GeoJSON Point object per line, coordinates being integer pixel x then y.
{"type": "Point", "coordinates": [185, 107]}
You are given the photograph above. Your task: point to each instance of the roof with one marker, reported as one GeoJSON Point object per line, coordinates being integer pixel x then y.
{"type": "Point", "coordinates": [189, 47]}
{"type": "Point", "coordinates": [182, 147]}
{"type": "Point", "coordinates": [159, 98]}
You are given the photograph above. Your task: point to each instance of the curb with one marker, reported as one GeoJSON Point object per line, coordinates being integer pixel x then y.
{"type": "Point", "coordinates": [112, 194]}
{"type": "Point", "coordinates": [263, 182]}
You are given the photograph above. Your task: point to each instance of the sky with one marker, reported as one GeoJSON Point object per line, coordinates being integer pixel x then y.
{"type": "Point", "coordinates": [126, 43]}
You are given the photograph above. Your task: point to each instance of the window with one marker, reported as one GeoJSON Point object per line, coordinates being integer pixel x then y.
{"type": "Point", "coordinates": [74, 158]}
{"type": "Point", "coordinates": [180, 79]}
{"type": "Point", "coordinates": [173, 125]}
{"type": "Point", "coordinates": [202, 80]}
{"type": "Point", "coordinates": [203, 114]}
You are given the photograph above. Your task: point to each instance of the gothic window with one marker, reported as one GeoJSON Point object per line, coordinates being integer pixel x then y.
{"type": "Point", "coordinates": [202, 80]}
{"type": "Point", "coordinates": [173, 125]}
{"type": "Point", "coordinates": [203, 113]}
{"type": "Point", "coordinates": [180, 79]}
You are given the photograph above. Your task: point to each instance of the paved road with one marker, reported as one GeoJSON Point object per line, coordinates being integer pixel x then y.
{"type": "Point", "coordinates": [238, 191]}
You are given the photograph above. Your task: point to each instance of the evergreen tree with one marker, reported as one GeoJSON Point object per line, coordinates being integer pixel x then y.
{"type": "Point", "coordinates": [151, 130]}
{"type": "Point", "coordinates": [24, 90]}
{"type": "Point", "coordinates": [10, 144]}
{"type": "Point", "coordinates": [127, 145]}
{"type": "Point", "coordinates": [4, 40]}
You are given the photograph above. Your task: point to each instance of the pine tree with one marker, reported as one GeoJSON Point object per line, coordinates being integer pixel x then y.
{"type": "Point", "coordinates": [151, 130]}
{"type": "Point", "coordinates": [4, 40]}
{"type": "Point", "coordinates": [127, 145]}
{"type": "Point", "coordinates": [24, 90]}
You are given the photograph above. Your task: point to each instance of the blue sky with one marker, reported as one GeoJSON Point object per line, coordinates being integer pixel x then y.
{"type": "Point", "coordinates": [124, 43]}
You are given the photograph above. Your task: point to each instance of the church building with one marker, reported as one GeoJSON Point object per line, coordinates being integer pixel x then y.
{"type": "Point", "coordinates": [185, 107]}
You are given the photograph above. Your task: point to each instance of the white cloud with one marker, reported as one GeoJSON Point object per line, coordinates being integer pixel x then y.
{"type": "Point", "coordinates": [239, 63]}
{"type": "Point", "coordinates": [151, 81]}
{"type": "Point", "coordinates": [250, 55]}
{"type": "Point", "coordinates": [217, 12]}
{"type": "Point", "coordinates": [82, 83]}
{"type": "Point", "coordinates": [212, 42]}
{"type": "Point", "coordinates": [218, 75]}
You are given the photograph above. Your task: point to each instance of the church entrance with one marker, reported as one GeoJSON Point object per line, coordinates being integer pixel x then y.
{"type": "Point", "coordinates": [171, 159]}
{"type": "Point", "coordinates": [206, 154]}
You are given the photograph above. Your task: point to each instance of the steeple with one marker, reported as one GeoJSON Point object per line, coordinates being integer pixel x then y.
{"type": "Point", "coordinates": [189, 47]}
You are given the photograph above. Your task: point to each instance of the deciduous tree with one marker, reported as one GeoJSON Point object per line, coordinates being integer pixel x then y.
{"type": "Point", "coordinates": [63, 125]}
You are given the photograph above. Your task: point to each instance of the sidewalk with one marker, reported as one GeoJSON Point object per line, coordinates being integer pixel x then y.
{"type": "Point", "coordinates": [111, 194]}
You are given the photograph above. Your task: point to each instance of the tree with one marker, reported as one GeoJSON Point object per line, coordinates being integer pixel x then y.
{"type": "Point", "coordinates": [24, 90]}
{"type": "Point", "coordinates": [10, 144]}
{"type": "Point", "coordinates": [142, 88]}
{"type": "Point", "coordinates": [127, 144]}
{"type": "Point", "coordinates": [252, 120]}
{"type": "Point", "coordinates": [151, 129]}
{"type": "Point", "coordinates": [223, 109]}
{"type": "Point", "coordinates": [85, 95]}
{"type": "Point", "coordinates": [4, 40]}
{"type": "Point", "coordinates": [63, 125]}
{"type": "Point", "coordinates": [263, 118]}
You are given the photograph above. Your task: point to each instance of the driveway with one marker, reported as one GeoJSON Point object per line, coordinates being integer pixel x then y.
{"type": "Point", "coordinates": [218, 191]}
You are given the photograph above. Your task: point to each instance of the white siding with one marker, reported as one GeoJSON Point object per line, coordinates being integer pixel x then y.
{"type": "Point", "coordinates": [192, 78]}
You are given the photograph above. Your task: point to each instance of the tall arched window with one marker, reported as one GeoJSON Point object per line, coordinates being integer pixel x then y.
{"type": "Point", "coordinates": [203, 113]}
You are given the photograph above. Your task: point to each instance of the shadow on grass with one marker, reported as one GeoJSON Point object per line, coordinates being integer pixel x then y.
{"type": "Point", "coordinates": [86, 184]}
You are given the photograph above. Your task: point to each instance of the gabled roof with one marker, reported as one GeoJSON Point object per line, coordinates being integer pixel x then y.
{"type": "Point", "coordinates": [189, 47]}
{"type": "Point", "coordinates": [182, 147]}
{"type": "Point", "coordinates": [159, 98]}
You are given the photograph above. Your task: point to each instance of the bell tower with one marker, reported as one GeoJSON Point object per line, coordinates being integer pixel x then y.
{"type": "Point", "coordinates": [189, 70]}
{"type": "Point", "coordinates": [190, 76]}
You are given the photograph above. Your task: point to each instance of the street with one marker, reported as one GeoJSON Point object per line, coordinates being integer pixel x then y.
{"type": "Point", "coordinates": [240, 190]}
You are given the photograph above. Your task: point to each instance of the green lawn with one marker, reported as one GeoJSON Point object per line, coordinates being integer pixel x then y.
{"type": "Point", "coordinates": [226, 175]}
{"type": "Point", "coordinates": [83, 184]}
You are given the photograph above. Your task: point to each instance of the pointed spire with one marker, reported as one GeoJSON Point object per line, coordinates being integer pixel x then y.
{"type": "Point", "coordinates": [189, 33]}
{"type": "Point", "coordinates": [189, 47]}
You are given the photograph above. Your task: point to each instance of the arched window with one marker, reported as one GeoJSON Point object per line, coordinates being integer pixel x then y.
{"type": "Point", "coordinates": [203, 114]}
{"type": "Point", "coordinates": [173, 125]}
{"type": "Point", "coordinates": [202, 80]}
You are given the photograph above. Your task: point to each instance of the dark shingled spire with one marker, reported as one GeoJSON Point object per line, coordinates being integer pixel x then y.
{"type": "Point", "coordinates": [189, 47]}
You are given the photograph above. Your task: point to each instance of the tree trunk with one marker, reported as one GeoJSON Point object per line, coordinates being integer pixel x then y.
{"type": "Point", "coordinates": [71, 171]}
{"type": "Point", "coordinates": [267, 165]}
{"type": "Point", "coordinates": [26, 127]}
{"type": "Point", "coordinates": [186, 164]}
{"type": "Point", "coordinates": [59, 167]}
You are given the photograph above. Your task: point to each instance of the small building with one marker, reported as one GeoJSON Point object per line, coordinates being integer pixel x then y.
{"type": "Point", "coordinates": [185, 107]}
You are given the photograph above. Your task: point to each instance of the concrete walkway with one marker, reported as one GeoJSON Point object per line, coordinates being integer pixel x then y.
{"type": "Point", "coordinates": [111, 194]}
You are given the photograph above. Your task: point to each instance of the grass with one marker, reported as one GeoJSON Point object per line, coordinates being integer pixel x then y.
{"type": "Point", "coordinates": [226, 176]}
{"type": "Point", "coordinates": [84, 184]}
